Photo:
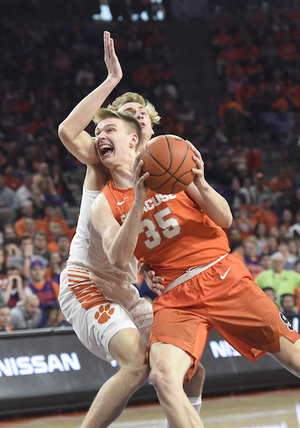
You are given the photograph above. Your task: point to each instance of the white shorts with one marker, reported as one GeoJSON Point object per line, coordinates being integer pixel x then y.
{"type": "Point", "coordinates": [98, 309]}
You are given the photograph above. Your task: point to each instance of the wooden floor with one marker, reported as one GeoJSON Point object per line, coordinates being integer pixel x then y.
{"type": "Point", "coordinates": [276, 409]}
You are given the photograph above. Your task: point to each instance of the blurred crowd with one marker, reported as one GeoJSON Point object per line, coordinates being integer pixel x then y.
{"type": "Point", "coordinates": [52, 57]}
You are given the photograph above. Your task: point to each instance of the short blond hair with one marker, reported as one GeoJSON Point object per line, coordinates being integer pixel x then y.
{"type": "Point", "coordinates": [133, 97]}
{"type": "Point", "coordinates": [130, 121]}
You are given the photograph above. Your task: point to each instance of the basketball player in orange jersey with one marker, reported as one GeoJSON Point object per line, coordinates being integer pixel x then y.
{"type": "Point", "coordinates": [181, 237]}
{"type": "Point", "coordinates": [105, 310]}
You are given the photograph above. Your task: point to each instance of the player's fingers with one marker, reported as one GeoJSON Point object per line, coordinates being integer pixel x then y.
{"type": "Point", "coordinates": [157, 279]}
{"type": "Point", "coordinates": [158, 289]}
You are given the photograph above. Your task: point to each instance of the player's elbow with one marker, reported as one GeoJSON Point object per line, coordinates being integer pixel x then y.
{"type": "Point", "coordinates": [64, 131]}
{"type": "Point", "coordinates": [228, 220]}
{"type": "Point", "coordinates": [118, 262]}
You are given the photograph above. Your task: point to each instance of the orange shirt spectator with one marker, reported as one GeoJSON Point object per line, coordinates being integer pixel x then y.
{"type": "Point", "coordinates": [222, 39]}
{"type": "Point", "coordinates": [288, 50]}
{"type": "Point", "coordinates": [280, 104]}
{"type": "Point", "coordinates": [265, 215]}
{"type": "Point", "coordinates": [9, 179]}
{"type": "Point", "coordinates": [281, 182]}
{"type": "Point", "coordinates": [27, 212]}
{"type": "Point", "coordinates": [50, 217]}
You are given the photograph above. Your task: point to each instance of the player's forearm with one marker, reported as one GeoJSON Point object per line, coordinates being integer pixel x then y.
{"type": "Point", "coordinates": [83, 113]}
{"type": "Point", "coordinates": [215, 206]}
{"type": "Point", "coordinates": [124, 243]}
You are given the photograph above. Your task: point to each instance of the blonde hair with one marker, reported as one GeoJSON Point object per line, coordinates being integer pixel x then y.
{"type": "Point", "coordinates": [132, 97]}
{"type": "Point", "coordinates": [130, 121]}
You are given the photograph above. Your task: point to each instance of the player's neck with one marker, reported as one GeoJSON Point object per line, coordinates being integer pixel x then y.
{"type": "Point", "coordinates": [122, 177]}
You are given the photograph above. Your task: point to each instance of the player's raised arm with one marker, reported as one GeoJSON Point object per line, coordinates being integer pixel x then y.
{"type": "Point", "coordinates": [212, 203]}
{"type": "Point", "coordinates": [72, 130]}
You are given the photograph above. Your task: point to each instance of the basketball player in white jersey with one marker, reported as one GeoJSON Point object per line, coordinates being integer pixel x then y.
{"type": "Point", "coordinates": [100, 302]}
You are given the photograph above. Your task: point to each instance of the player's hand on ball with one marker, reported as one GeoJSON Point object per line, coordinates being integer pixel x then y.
{"type": "Point", "coordinates": [140, 188]}
{"type": "Point", "coordinates": [199, 170]}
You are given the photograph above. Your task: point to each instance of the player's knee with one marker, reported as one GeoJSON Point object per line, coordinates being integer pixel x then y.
{"type": "Point", "coordinates": [161, 377]}
{"type": "Point", "coordinates": [138, 373]}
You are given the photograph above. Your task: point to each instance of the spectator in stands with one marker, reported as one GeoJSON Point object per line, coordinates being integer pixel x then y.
{"type": "Point", "coordinates": [288, 305]}
{"type": "Point", "coordinates": [50, 215]}
{"type": "Point", "coordinates": [56, 230]}
{"type": "Point", "coordinates": [43, 173]}
{"type": "Point", "coordinates": [47, 292]}
{"type": "Point", "coordinates": [5, 318]}
{"type": "Point", "coordinates": [232, 117]}
{"type": "Point", "coordinates": [225, 181]}
{"type": "Point", "coordinates": [282, 187]}
{"type": "Point", "coordinates": [64, 192]}
{"type": "Point", "coordinates": [243, 195]}
{"type": "Point", "coordinates": [260, 232]}
{"type": "Point", "coordinates": [234, 235]}
{"type": "Point", "coordinates": [227, 56]}
{"type": "Point", "coordinates": [24, 192]}
{"type": "Point", "coordinates": [26, 314]}
{"type": "Point", "coordinates": [14, 290]}
{"type": "Point", "coordinates": [288, 52]}
{"type": "Point", "coordinates": [31, 226]}
{"type": "Point", "coordinates": [27, 212]}
{"type": "Point", "coordinates": [294, 205]}
{"type": "Point", "coordinates": [11, 248]}
{"type": "Point", "coordinates": [40, 244]}
{"type": "Point", "coordinates": [21, 169]}
{"type": "Point", "coordinates": [9, 179]}
{"type": "Point", "coordinates": [294, 248]}
{"type": "Point", "coordinates": [287, 217]}
{"type": "Point", "coordinates": [85, 76]}
{"type": "Point", "coordinates": [294, 230]}
{"type": "Point", "coordinates": [9, 232]}
{"type": "Point", "coordinates": [271, 293]}
{"type": "Point", "coordinates": [283, 235]}
{"type": "Point", "coordinates": [54, 269]}
{"type": "Point", "coordinates": [244, 223]}
{"type": "Point", "coordinates": [266, 261]}
{"type": "Point", "coordinates": [63, 243]}
{"type": "Point", "coordinates": [283, 281]}
{"type": "Point", "coordinates": [3, 269]}
{"type": "Point", "coordinates": [251, 258]}
{"type": "Point", "coordinates": [272, 244]}
{"type": "Point", "coordinates": [265, 214]}
{"type": "Point", "coordinates": [290, 258]}
{"type": "Point", "coordinates": [7, 196]}
{"type": "Point", "coordinates": [49, 193]}
{"type": "Point", "coordinates": [259, 189]}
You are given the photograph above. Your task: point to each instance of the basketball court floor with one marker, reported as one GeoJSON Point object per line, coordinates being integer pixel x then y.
{"type": "Point", "coordinates": [273, 409]}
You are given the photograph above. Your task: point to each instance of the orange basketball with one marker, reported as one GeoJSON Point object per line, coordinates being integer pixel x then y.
{"type": "Point", "coordinates": [169, 161]}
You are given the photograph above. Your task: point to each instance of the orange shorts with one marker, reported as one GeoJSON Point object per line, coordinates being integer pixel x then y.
{"type": "Point", "coordinates": [226, 298]}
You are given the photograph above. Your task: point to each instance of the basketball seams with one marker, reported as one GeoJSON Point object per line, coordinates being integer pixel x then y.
{"type": "Point", "coordinates": [161, 177]}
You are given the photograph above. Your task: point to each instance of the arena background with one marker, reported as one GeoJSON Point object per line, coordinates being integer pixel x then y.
{"type": "Point", "coordinates": [49, 369]}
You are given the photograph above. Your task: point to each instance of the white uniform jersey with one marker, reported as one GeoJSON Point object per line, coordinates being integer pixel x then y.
{"type": "Point", "coordinates": [86, 247]}
{"type": "Point", "coordinates": [97, 299]}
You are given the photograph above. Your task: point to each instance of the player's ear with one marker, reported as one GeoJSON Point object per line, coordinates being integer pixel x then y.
{"type": "Point", "coordinates": [152, 132]}
{"type": "Point", "coordinates": [134, 140]}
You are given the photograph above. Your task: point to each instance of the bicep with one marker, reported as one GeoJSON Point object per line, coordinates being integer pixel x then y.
{"type": "Point", "coordinates": [81, 147]}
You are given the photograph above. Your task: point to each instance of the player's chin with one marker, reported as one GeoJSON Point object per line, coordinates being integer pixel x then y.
{"type": "Point", "coordinates": [146, 133]}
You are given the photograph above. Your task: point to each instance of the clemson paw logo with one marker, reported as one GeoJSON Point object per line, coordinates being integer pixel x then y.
{"type": "Point", "coordinates": [104, 313]}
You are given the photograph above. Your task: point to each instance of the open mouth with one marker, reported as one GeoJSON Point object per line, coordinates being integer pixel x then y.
{"type": "Point", "coordinates": [105, 149]}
